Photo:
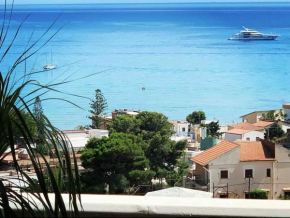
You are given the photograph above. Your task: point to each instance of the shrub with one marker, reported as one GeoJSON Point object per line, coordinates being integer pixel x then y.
{"type": "Point", "coordinates": [258, 194]}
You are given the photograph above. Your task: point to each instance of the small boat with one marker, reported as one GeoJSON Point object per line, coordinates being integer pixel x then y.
{"type": "Point", "coordinates": [49, 66]}
{"type": "Point", "coordinates": [249, 34]}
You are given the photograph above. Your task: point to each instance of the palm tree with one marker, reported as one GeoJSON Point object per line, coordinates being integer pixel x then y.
{"type": "Point", "coordinates": [16, 199]}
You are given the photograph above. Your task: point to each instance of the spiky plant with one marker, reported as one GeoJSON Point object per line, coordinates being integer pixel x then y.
{"type": "Point", "coordinates": [16, 199]}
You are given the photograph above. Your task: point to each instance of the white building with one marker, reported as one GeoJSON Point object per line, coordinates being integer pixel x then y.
{"type": "Point", "coordinates": [79, 138]}
{"type": "Point", "coordinates": [245, 135]}
{"type": "Point", "coordinates": [234, 168]}
{"type": "Point", "coordinates": [181, 127]}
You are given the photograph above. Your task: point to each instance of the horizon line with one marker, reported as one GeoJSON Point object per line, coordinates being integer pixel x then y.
{"type": "Point", "coordinates": [198, 2]}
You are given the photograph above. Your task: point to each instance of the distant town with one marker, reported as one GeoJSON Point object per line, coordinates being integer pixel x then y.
{"type": "Point", "coordinates": [226, 160]}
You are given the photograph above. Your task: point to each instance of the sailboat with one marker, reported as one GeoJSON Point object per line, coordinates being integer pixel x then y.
{"type": "Point", "coordinates": [49, 66]}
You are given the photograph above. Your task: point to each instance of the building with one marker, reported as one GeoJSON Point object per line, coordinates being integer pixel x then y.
{"type": "Point", "coordinates": [286, 108]}
{"type": "Point", "coordinates": [254, 117]}
{"type": "Point", "coordinates": [79, 138]}
{"type": "Point", "coordinates": [234, 168]}
{"type": "Point", "coordinates": [181, 127]}
{"type": "Point", "coordinates": [241, 134]}
{"type": "Point", "coordinates": [285, 125]}
{"type": "Point", "coordinates": [247, 131]}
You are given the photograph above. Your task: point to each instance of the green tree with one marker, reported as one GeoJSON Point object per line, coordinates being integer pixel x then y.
{"type": "Point", "coordinates": [125, 123]}
{"type": "Point", "coordinates": [273, 115]}
{"type": "Point", "coordinates": [196, 117]}
{"type": "Point", "coordinates": [117, 160]}
{"type": "Point", "coordinates": [40, 125]}
{"type": "Point", "coordinates": [273, 132]}
{"type": "Point", "coordinates": [98, 107]}
{"type": "Point", "coordinates": [213, 129]}
{"type": "Point", "coordinates": [39, 118]}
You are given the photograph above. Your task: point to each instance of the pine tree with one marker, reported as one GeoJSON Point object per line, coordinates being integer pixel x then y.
{"type": "Point", "coordinates": [98, 107]}
{"type": "Point", "coordinates": [39, 117]}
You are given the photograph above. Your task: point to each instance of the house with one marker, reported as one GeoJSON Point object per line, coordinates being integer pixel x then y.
{"type": "Point", "coordinates": [232, 169]}
{"type": "Point", "coordinates": [254, 117]}
{"type": "Point", "coordinates": [245, 135]}
{"type": "Point", "coordinates": [79, 138]}
{"type": "Point", "coordinates": [245, 126]}
{"type": "Point", "coordinates": [286, 108]}
{"type": "Point", "coordinates": [245, 131]}
{"type": "Point", "coordinates": [285, 125]}
{"type": "Point", "coordinates": [180, 127]}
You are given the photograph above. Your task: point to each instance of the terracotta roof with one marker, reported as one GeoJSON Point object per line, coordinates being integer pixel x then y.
{"type": "Point", "coordinates": [255, 151]}
{"type": "Point", "coordinates": [214, 152]}
{"type": "Point", "coordinates": [245, 126]}
{"type": "Point", "coordinates": [238, 131]}
{"type": "Point", "coordinates": [263, 123]}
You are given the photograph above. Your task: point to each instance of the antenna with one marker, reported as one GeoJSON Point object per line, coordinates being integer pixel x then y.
{"type": "Point", "coordinates": [245, 28]}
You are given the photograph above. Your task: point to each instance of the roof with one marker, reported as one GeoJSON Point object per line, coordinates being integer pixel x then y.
{"type": "Point", "coordinates": [263, 123]}
{"type": "Point", "coordinates": [255, 151]}
{"type": "Point", "coordinates": [255, 112]}
{"type": "Point", "coordinates": [179, 192]}
{"type": "Point", "coordinates": [238, 131]}
{"type": "Point", "coordinates": [245, 126]}
{"type": "Point", "coordinates": [214, 152]}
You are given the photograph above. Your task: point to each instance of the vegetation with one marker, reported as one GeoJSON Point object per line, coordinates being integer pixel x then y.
{"type": "Point", "coordinates": [272, 115]}
{"type": "Point", "coordinates": [273, 132]}
{"type": "Point", "coordinates": [137, 149]}
{"type": "Point", "coordinates": [258, 194]}
{"type": "Point", "coordinates": [196, 117]}
{"type": "Point", "coordinates": [18, 123]}
{"type": "Point", "coordinates": [212, 129]}
{"type": "Point", "coordinates": [98, 107]}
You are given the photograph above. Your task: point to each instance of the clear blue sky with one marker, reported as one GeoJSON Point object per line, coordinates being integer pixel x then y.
{"type": "Point", "coordinates": [130, 1]}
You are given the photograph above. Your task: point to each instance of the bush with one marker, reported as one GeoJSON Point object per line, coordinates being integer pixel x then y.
{"type": "Point", "coordinates": [258, 194]}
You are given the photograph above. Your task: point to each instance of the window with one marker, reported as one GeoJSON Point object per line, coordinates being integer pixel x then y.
{"type": "Point", "coordinates": [249, 173]}
{"type": "Point", "coordinates": [223, 196]}
{"type": "Point", "coordinates": [286, 194]}
{"type": "Point", "coordinates": [224, 174]}
{"type": "Point", "coordinates": [248, 139]}
{"type": "Point", "coordinates": [183, 129]}
{"type": "Point", "coordinates": [268, 172]}
{"type": "Point", "coordinates": [257, 139]}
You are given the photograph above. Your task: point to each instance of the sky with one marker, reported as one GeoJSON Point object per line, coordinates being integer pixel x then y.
{"type": "Point", "coordinates": [130, 1]}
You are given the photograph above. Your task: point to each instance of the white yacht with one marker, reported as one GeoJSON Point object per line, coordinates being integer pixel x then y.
{"type": "Point", "coordinates": [49, 66]}
{"type": "Point", "coordinates": [248, 34]}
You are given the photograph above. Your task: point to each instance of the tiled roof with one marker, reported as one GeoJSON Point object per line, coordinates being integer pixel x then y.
{"type": "Point", "coordinates": [214, 152]}
{"type": "Point", "coordinates": [263, 123]}
{"type": "Point", "coordinates": [255, 151]}
{"type": "Point", "coordinates": [238, 131]}
{"type": "Point", "coordinates": [245, 126]}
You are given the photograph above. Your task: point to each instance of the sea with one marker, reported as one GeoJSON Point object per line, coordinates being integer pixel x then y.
{"type": "Point", "coordinates": [180, 54]}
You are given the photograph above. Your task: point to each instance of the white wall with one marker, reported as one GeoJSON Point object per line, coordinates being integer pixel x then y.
{"type": "Point", "coordinates": [284, 126]}
{"type": "Point", "coordinates": [232, 137]}
{"type": "Point", "coordinates": [98, 133]}
{"type": "Point", "coordinates": [253, 135]}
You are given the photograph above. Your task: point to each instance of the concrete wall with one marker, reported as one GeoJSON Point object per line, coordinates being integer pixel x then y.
{"type": "Point", "coordinates": [281, 170]}
{"type": "Point", "coordinates": [284, 126]}
{"type": "Point", "coordinates": [208, 143]}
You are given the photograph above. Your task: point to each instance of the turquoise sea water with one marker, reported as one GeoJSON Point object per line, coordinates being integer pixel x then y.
{"type": "Point", "coordinates": [179, 52]}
